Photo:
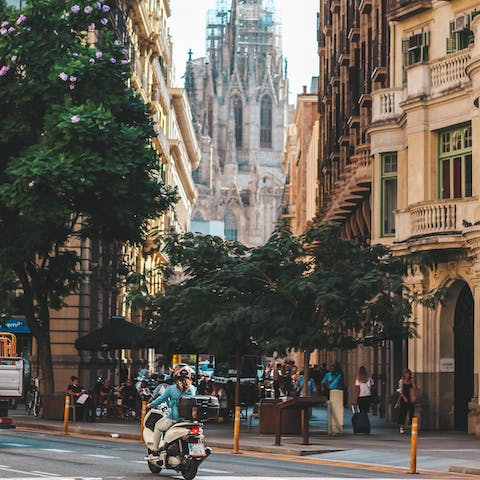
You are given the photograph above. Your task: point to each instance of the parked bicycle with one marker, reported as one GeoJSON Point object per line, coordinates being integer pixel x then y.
{"type": "Point", "coordinates": [33, 403]}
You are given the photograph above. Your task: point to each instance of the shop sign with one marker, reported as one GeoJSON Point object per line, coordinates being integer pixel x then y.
{"type": "Point", "coordinates": [447, 364]}
{"type": "Point", "coordinates": [15, 325]}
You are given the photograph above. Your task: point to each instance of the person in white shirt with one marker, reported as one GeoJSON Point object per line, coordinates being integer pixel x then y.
{"type": "Point", "coordinates": [363, 390]}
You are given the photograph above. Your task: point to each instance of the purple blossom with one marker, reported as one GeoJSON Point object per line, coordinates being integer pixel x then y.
{"type": "Point", "coordinates": [124, 62]}
{"type": "Point", "coordinates": [75, 119]}
{"type": "Point", "coordinates": [105, 8]}
{"type": "Point", "coordinates": [92, 60]}
{"type": "Point", "coordinates": [63, 76]}
{"type": "Point", "coordinates": [92, 27]}
{"type": "Point", "coordinates": [31, 184]}
{"type": "Point", "coordinates": [11, 30]}
{"type": "Point", "coordinates": [73, 78]}
{"type": "Point", "coordinates": [103, 21]}
{"type": "Point", "coordinates": [112, 60]}
{"type": "Point", "coordinates": [117, 43]}
{"type": "Point", "coordinates": [13, 58]}
{"type": "Point", "coordinates": [98, 5]}
{"type": "Point", "coordinates": [21, 19]}
{"type": "Point", "coordinates": [72, 86]}
{"type": "Point", "coordinates": [4, 24]}
{"type": "Point", "coordinates": [99, 54]}
{"type": "Point", "coordinates": [3, 31]}
{"type": "Point", "coordinates": [124, 51]}
{"type": "Point", "coordinates": [75, 54]}
{"type": "Point", "coordinates": [75, 9]}
{"type": "Point", "coordinates": [4, 70]}
{"type": "Point", "coordinates": [88, 9]}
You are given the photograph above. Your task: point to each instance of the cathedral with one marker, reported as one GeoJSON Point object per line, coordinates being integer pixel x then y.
{"type": "Point", "coordinates": [239, 100]}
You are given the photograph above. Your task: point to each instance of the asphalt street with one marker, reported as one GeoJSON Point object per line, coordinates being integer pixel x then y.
{"type": "Point", "coordinates": [32, 456]}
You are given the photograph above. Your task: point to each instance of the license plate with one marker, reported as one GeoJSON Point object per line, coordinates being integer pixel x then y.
{"type": "Point", "coordinates": [196, 449]}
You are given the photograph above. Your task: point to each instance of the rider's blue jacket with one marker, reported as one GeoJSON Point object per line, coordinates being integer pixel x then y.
{"type": "Point", "coordinates": [171, 396]}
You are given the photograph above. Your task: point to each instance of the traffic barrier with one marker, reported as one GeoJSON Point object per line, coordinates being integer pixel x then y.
{"type": "Point", "coordinates": [413, 446]}
{"type": "Point", "coordinates": [66, 414]}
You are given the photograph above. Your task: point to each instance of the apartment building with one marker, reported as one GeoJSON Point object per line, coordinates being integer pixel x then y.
{"type": "Point", "coordinates": [425, 146]}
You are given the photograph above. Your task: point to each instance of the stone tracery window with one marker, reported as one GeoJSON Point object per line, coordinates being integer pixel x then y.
{"type": "Point", "coordinates": [237, 108]}
{"type": "Point", "coordinates": [266, 122]}
{"type": "Point", "coordinates": [230, 226]}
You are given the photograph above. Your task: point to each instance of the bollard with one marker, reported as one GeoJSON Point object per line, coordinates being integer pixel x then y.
{"type": "Point", "coordinates": [142, 418]}
{"type": "Point", "coordinates": [236, 431]}
{"type": "Point", "coordinates": [413, 446]}
{"type": "Point", "coordinates": [65, 414]}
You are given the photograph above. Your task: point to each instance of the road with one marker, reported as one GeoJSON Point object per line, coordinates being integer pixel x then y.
{"type": "Point", "coordinates": [36, 456]}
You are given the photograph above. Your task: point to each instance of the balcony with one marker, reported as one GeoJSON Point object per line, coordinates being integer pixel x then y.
{"type": "Point", "coordinates": [335, 6]}
{"type": "Point", "coordinates": [365, 6]}
{"type": "Point", "coordinates": [386, 104]}
{"type": "Point", "coordinates": [365, 100]}
{"type": "Point", "coordinates": [379, 74]}
{"type": "Point", "coordinates": [450, 72]}
{"type": "Point", "coordinates": [353, 34]}
{"type": "Point", "coordinates": [402, 9]}
{"type": "Point", "coordinates": [439, 222]}
{"type": "Point", "coordinates": [161, 89]}
{"type": "Point", "coordinates": [353, 121]}
{"type": "Point", "coordinates": [344, 59]}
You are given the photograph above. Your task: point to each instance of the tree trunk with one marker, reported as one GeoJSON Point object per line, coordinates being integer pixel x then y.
{"type": "Point", "coordinates": [45, 362]}
{"type": "Point", "coordinates": [238, 362]}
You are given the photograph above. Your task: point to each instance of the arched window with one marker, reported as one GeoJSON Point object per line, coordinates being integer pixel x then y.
{"type": "Point", "coordinates": [197, 217]}
{"type": "Point", "coordinates": [210, 117]}
{"type": "Point", "coordinates": [230, 227]}
{"type": "Point", "coordinates": [266, 122]}
{"type": "Point", "coordinates": [237, 108]}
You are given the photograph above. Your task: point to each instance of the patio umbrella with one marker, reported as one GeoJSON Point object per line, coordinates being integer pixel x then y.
{"type": "Point", "coordinates": [117, 334]}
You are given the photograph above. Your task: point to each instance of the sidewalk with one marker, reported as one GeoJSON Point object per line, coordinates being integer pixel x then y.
{"type": "Point", "coordinates": [384, 447]}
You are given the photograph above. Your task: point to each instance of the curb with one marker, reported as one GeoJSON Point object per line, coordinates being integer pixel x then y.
{"type": "Point", "coordinates": [466, 470]}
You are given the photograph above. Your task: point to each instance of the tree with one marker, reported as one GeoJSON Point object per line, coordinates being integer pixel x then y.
{"type": "Point", "coordinates": [76, 159]}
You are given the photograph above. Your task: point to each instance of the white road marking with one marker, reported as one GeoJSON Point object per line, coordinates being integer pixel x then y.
{"type": "Point", "coordinates": [211, 470]}
{"type": "Point", "coordinates": [100, 456]}
{"type": "Point", "coordinates": [58, 450]}
{"type": "Point", "coordinates": [9, 469]}
{"type": "Point", "coordinates": [23, 445]}
{"type": "Point", "coordinates": [144, 462]}
{"type": "Point", "coordinates": [48, 474]}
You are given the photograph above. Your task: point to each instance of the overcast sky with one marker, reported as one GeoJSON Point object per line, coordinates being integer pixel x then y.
{"type": "Point", "coordinates": [298, 18]}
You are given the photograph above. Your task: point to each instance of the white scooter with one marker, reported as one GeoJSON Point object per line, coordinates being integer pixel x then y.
{"type": "Point", "coordinates": [181, 446]}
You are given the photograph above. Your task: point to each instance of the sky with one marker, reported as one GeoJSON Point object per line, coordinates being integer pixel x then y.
{"type": "Point", "coordinates": [298, 19]}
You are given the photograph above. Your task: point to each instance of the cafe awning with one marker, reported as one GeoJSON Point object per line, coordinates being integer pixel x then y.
{"type": "Point", "coordinates": [117, 334]}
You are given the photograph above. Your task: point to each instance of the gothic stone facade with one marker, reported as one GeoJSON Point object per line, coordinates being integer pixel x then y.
{"type": "Point", "coordinates": [239, 102]}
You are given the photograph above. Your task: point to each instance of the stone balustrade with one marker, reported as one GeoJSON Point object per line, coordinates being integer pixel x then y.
{"type": "Point", "coordinates": [386, 104]}
{"type": "Point", "coordinates": [437, 217]}
{"type": "Point", "coordinates": [450, 71]}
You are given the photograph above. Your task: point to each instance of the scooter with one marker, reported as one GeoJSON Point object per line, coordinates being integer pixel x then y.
{"type": "Point", "coordinates": [181, 446]}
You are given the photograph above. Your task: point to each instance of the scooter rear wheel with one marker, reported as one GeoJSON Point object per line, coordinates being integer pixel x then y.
{"type": "Point", "coordinates": [153, 468]}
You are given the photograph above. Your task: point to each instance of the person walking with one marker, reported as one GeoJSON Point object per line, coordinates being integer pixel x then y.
{"type": "Point", "coordinates": [333, 379]}
{"type": "Point", "coordinates": [407, 399]}
{"type": "Point", "coordinates": [363, 390]}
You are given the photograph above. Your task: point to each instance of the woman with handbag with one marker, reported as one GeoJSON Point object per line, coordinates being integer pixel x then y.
{"type": "Point", "coordinates": [363, 390]}
{"type": "Point", "coordinates": [406, 400]}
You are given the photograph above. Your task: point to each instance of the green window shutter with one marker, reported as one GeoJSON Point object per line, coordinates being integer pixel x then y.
{"type": "Point", "coordinates": [451, 44]}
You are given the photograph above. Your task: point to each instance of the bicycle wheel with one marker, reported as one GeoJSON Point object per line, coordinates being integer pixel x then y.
{"type": "Point", "coordinates": [37, 405]}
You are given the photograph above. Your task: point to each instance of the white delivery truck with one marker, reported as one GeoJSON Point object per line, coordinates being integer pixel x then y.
{"type": "Point", "coordinates": [11, 376]}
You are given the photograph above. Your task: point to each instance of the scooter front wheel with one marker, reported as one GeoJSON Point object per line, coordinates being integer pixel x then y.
{"type": "Point", "coordinates": [190, 471]}
{"type": "Point", "coordinates": [153, 468]}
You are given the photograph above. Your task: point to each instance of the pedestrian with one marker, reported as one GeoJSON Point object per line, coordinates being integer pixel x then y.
{"type": "Point", "coordinates": [130, 398]}
{"type": "Point", "coordinates": [333, 379]}
{"type": "Point", "coordinates": [407, 399]}
{"type": "Point", "coordinates": [363, 390]}
{"type": "Point", "coordinates": [311, 387]}
{"type": "Point", "coordinates": [80, 399]}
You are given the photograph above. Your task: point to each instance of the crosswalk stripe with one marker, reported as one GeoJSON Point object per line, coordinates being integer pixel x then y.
{"type": "Point", "coordinates": [39, 472]}
{"type": "Point", "coordinates": [99, 456]}
{"type": "Point", "coordinates": [56, 450]}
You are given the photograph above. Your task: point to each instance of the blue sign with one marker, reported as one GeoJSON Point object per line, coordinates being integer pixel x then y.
{"type": "Point", "coordinates": [15, 325]}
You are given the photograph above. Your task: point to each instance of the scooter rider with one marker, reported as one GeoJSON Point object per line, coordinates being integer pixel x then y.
{"type": "Point", "coordinates": [182, 386]}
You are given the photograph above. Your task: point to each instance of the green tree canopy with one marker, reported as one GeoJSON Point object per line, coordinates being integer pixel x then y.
{"type": "Point", "coordinates": [76, 159]}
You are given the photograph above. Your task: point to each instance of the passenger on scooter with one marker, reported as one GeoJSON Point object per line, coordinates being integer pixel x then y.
{"type": "Point", "coordinates": [182, 387]}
